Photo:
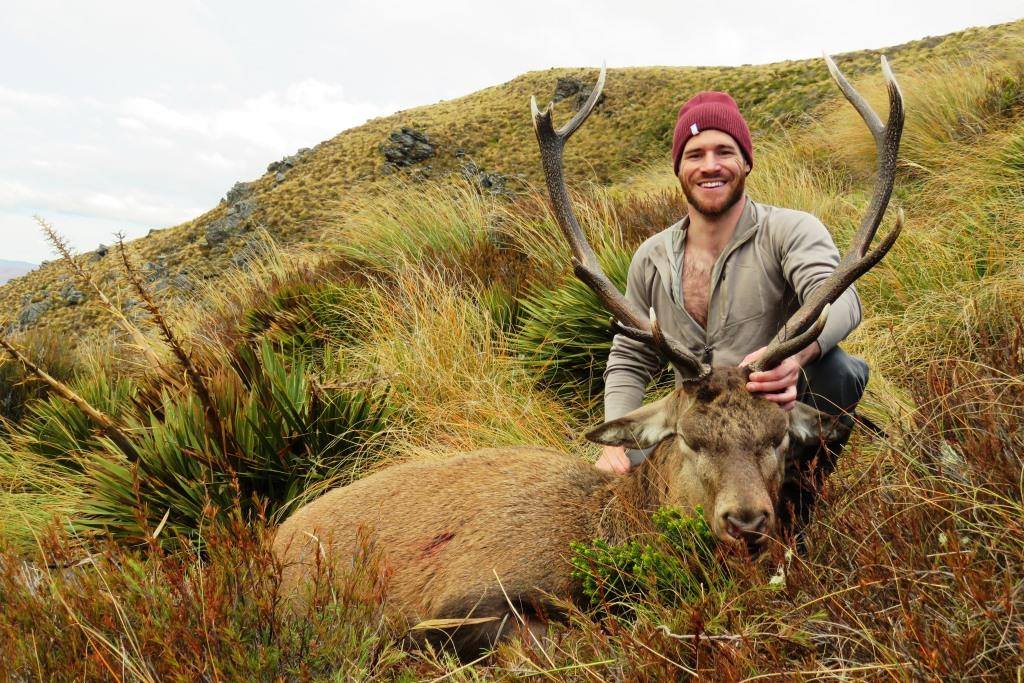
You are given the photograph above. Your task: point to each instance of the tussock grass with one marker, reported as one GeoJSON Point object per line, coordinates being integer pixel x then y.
{"type": "Point", "coordinates": [947, 100]}
{"type": "Point", "coordinates": [453, 383]}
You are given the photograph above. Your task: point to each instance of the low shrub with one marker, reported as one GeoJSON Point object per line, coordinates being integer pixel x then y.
{"type": "Point", "coordinates": [674, 568]}
{"type": "Point", "coordinates": [211, 611]}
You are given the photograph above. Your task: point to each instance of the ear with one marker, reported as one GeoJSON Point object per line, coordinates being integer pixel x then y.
{"type": "Point", "coordinates": [809, 427]}
{"type": "Point", "coordinates": [644, 427]}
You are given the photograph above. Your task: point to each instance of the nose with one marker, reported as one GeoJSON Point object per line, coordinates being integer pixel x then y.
{"type": "Point", "coordinates": [747, 525]}
{"type": "Point", "coordinates": [710, 162]}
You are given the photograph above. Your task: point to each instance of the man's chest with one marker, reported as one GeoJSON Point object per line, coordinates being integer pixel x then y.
{"type": "Point", "coordinates": [696, 284]}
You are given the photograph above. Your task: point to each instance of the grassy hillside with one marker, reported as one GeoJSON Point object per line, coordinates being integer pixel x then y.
{"type": "Point", "coordinates": [411, 317]}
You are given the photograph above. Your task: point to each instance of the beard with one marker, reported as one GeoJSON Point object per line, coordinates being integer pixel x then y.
{"type": "Point", "coordinates": [711, 210]}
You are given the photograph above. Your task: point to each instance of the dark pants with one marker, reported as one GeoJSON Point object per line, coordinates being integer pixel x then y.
{"type": "Point", "coordinates": [834, 385]}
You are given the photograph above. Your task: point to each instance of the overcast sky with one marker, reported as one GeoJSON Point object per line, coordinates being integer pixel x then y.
{"type": "Point", "coordinates": [129, 115]}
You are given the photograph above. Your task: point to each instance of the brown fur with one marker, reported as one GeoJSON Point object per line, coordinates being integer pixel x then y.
{"type": "Point", "coordinates": [481, 533]}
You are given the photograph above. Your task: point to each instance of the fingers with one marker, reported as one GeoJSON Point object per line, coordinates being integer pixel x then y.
{"type": "Point", "coordinates": [784, 398]}
{"type": "Point", "coordinates": [752, 356]}
{"type": "Point", "coordinates": [767, 384]}
{"type": "Point", "coordinates": [613, 460]}
{"type": "Point", "coordinates": [786, 368]}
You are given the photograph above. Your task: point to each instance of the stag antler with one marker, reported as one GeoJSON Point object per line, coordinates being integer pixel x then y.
{"type": "Point", "coordinates": [631, 321]}
{"type": "Point", "coordinates": [806, 324]}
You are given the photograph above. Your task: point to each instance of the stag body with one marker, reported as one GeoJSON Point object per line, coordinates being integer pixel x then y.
{"type": "Point", "coordinates": [482, 533]}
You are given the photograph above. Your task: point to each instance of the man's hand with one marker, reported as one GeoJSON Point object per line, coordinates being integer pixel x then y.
{"type": "Point", "coordinates": [779, 384]}
{"type": "Point", "coordinates": [613, 460]}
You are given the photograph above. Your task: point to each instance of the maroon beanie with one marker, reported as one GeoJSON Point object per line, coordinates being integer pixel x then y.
{"type": "Point", "coordinates": [710, 110]}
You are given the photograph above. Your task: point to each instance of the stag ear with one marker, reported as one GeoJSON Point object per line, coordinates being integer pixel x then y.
{"type": "Point", "coordinates": [810, 427]}
{"type": "Point", "coordinates": [644, 427]}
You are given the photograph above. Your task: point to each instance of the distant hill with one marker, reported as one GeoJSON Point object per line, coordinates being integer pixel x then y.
{"type": "Point", "coordinates": [13, 269]}
{"type": "Point", "coordinates": [486, 136]}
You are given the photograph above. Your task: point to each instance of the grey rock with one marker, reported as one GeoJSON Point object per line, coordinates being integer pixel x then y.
{"type": "Point", "coordinates": [71, 295]}
{"type": "Point", "coordinates": [223, 229]}
{"type": "Point", "coordinates": [247, 254]}
{"type": "Point", "coordinates": [30, 314]}
{"type": "Point", "coordinates": [494, 183]}
{"type": "Point", "coordinates": [155, 270]}
{"type": "Point", "coordinates": [244, 208]}
{"type": "Point", "coordinates": [102, 251]}
{"type": "Point", "coordinates": [219, 231]}
{"type": "Point", "coordinates": [406, 147]}
{"type": "Point", "coordinates": [284, 165]}
{"type": "Point", "coordinates": [238, 191]}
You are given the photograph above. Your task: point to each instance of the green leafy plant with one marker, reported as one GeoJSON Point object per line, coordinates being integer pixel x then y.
{"type": "Point", "coordinates": [566, 332]}
{"type": "Point", "coordinates": [675, 567]}
{"type": "Point", "coordinates": [284, 435]}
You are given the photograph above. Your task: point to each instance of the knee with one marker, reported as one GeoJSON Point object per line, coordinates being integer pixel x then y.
{"type": "Point", "coordinates": [838, 377]}
{"type": "Point", "coordinates": [841, 368]}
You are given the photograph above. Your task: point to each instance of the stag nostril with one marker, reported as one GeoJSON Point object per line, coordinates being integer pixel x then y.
{"type": "Point", "coordinates": [746, 524]}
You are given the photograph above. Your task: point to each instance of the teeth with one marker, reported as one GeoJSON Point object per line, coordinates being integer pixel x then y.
{"type": "Point", "coordinates": [712, 183]}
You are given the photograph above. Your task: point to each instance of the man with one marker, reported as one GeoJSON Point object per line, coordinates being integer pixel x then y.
{"type": "Point", "coordinates": [724, 279]}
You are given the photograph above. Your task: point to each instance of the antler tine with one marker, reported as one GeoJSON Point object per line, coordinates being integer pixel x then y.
{"type": "Point", "coordinates": [694, 370]}
{"type": "Point", "coordinates": [858, 259]}
{"type": "Point", "coordinates": [633, 322]}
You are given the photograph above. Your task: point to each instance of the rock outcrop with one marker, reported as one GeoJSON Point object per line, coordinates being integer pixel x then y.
{"type": "Point", "coordinates": [242, 205]}
{"type": "Point", "coordinates": [406, 147]}
{"type": "Point", "coordinates": [575, 91]}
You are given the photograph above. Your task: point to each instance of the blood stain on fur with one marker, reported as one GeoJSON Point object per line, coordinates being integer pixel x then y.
{"type": "Point", "coordinates": [437, 543]}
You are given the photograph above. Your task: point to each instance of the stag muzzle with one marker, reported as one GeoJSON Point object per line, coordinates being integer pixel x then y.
{"type": "Point", "coordinates": [751, 527]}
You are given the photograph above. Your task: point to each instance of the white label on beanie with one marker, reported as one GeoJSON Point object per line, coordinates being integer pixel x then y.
{"type": "Point", "coordinates": [693, 129]}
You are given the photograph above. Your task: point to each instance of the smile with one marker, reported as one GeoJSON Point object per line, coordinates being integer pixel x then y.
{"type": "Point", "coordinates": [711, 184]}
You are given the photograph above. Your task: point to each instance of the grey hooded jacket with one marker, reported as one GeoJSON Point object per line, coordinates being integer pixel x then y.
{"type": "Point", "coordinates": [775, 259]}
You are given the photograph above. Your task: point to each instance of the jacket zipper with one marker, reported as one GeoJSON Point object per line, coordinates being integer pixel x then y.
{"type": "Point", "coordinates": [717, 277]}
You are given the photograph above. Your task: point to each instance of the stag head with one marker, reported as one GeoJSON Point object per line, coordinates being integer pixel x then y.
{"type": "Point", "coordinates": [727, 448]}
{"type": "Point", "coordinates": [722, 448]}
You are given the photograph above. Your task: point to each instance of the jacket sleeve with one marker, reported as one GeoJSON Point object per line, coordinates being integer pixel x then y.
{"type": "Point", "coordinates": [808, 257]}
{"type": "Point", "coordinates": [631, 364]}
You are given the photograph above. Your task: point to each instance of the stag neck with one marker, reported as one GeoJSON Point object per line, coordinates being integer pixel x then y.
{"type": "Point", "coordinates": [631, 499]}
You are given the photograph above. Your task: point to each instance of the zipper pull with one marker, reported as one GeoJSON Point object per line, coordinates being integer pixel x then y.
{"type": "Point", "coordinates": [708, 354]}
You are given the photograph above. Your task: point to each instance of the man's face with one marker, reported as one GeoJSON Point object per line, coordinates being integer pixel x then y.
{"type": "Point", "coordinates": [712, 172]}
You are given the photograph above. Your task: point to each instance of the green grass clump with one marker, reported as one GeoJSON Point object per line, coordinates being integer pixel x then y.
{"type": "Point", "coordinates": [565, 332]}
{"type": "Point", "coordinates": [285, 437]}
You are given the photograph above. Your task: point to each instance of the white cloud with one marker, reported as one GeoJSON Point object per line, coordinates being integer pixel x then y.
{"type": "Point", "coordinates": [217, 160]}
{"type": "Point", "coordinates": [36, 100]}
{"type": "Point", "coordinates": [276, 120]}
{"type": "Point", "coordinates": [160, 115]}
{"type": "Point", "coordinates": [131, 123]}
